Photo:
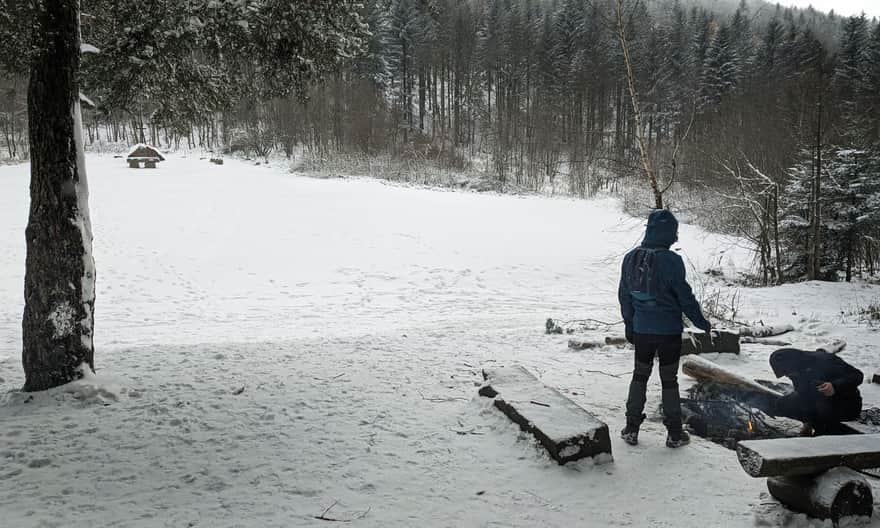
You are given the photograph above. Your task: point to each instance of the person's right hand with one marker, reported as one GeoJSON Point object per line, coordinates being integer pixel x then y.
{"type": "Point", "coordinates": [827, 389]}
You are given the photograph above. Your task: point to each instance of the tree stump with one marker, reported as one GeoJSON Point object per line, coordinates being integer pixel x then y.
{"type": "Point", "coordinates": [837, 493]}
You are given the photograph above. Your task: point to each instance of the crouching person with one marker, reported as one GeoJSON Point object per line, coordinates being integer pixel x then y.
{"type": "Point", "coordinates": [653, 294]}
{"type": "Point", "coordinates": [825, 389]}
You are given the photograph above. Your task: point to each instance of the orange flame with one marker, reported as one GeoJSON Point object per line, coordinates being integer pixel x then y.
{"type": "Point", "coordinates": [749, 425]}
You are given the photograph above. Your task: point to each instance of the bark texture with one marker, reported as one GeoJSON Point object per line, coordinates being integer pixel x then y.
{"type": "Point", "coordinates": [59, 278]}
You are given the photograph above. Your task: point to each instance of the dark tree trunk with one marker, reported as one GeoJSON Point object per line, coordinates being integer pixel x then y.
{"type": "Point", "coordinates": [59, 278]}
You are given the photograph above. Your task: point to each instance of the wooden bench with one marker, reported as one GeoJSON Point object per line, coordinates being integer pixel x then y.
{"type": "Point", "coordinates": [816, 476]}
{"type": "Point", "coordinates": [568, 431]}
{"type": "Point", "coordinates": [703, 343]}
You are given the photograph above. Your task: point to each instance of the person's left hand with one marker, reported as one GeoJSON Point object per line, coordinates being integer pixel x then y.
{"type": "Point", "coordinates": [827, 389]}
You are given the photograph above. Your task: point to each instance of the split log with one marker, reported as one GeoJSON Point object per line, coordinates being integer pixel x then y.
{"type": "Point", "coordinates": [568, 431]}
{"type": "Point", "coordinates": [808, 456]}
{"type": "Point", "coordinates": [702, 343]}
{"type": "Point", "coordinates": [615, 340]}
{"type": "Point", "coordinates": [764, 331]}
{"type": "Point", "coordinates": [584, 344]}
{"type": "Point", "coordinates": [837, 493]}
{"type": "Point", "coordinates": [856, 427]}
{"type": "Point", "coordinates": [704, 370]}
{"type": "Point", "coordinates": [833, 347]}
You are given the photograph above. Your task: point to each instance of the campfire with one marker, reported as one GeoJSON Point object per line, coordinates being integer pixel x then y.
{"type": "Point", "coordinates": [726, 414]}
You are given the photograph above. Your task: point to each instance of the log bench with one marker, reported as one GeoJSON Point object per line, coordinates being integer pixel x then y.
{"type": "Point", "coordinates": [816, 475]}
{"type": "Point", "coordinates": [568, 431]}
{"type": "Point", "coordinates": [703, 343]}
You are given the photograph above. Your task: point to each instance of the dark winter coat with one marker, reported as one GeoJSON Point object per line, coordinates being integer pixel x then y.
{"type": "Point", "coordinates": [809, 369]}
{"type": "Point", "coordinates": [653, 291]}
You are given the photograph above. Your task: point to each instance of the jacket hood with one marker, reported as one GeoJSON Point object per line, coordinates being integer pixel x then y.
{"type": "Point", "coordinates": [786, 361]}
{"type": "Point", "coordinates": [662, 229]}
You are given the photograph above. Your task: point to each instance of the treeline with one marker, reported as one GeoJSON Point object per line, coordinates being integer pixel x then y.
{"type": "Point", "coordinates": [758, 120]}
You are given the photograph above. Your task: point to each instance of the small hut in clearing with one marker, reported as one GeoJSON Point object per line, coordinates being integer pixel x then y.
{"type": "Point", "coordinates": [145, 154]}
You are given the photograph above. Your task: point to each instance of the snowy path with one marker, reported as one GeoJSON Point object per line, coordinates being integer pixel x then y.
{"type": "Point", "coordinates": [355, 316]}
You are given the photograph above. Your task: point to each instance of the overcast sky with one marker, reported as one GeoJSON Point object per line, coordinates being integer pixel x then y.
{"type": "Point", "coordinates": [841, 7]}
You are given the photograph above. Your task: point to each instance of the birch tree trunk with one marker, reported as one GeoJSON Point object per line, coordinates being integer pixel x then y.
{"type": "Point", "coordinates": [647, 165]}
{"type": "Point", "coordinates": [59, 277]}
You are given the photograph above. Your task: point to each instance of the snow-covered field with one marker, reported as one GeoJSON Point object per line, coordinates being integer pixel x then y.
{"type": "Point", "coordinates": [272, 347]}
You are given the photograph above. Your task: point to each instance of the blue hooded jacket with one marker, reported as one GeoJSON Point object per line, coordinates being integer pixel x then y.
{"type": "Point", "coordinates": [653, 291]}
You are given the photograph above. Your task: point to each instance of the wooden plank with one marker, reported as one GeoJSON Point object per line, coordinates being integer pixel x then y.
{"type": "Point", "coordinates": [837, 493]}
{"type": "Point", "coordinates": [702, 343]}
{"type": "Point", "coordinates": [808, 456]}
{"type": "Point", "coordinates": [704, 370]}
{"type": "Point", "coordinates": [568, 431]}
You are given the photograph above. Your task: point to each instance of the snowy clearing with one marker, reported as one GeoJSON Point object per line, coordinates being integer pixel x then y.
{"type": "Point", "coordinates": [270, 346]}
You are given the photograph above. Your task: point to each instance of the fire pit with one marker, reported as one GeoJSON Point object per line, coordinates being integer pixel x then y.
{"type": "Point", "coordinates": [726, 415]}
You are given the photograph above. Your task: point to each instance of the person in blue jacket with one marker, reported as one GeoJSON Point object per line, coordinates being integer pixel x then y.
{"type": "Point", "coordinates": [653, 294]}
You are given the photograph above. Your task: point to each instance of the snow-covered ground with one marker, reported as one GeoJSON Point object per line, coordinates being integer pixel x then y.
{"type": "Point", "coordinates": [271, 347]}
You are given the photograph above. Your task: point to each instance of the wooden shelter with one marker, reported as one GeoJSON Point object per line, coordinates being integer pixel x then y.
{"type": "Point", "coordinates": [145, 154]}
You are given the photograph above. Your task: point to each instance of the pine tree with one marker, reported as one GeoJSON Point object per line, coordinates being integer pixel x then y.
{"type": "Point", "coordinates": [720, 69]}
{"type": "Point", "coordinates": [849, 73]}
{"type": "Point", "coordinates": [870, 89]}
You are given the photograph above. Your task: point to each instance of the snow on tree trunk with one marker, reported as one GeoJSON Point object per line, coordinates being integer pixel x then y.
{"type": "Point", "coordinates": [60, 273]}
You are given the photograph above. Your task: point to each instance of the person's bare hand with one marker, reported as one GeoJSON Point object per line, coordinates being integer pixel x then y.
{"type": "Point", "coordinates": [827, 389]}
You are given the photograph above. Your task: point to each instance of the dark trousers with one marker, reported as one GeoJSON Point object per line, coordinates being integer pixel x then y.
{"type": "Point", "coordinates": [822, 413]}
{"type": "Point", "coordinates": [668, 350]}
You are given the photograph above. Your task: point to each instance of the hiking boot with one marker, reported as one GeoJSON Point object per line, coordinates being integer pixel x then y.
{"type": "Point", "coordinates": [630, 434]}
{"type": "Point", "coordinates": [677, 439]}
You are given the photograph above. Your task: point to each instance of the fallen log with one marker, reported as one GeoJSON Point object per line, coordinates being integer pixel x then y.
{"type": "Point", "coordinates": [808, 456]}
{"type": "Point", "coordinates": [764, 331]}
{"type": "Point", "coordinates": [704, 370]}
{"type": "Point", "coordinates": [615, 340]}
{"type": "Point", "coordinates": [764, 341]}
{"type": "Point", "coordinates": [584, 344]}
{"type": "Point", "coordinates": [837, 493]}
{"type": "Point", "coordinates": [568, 431]}
{"type": "Point", "coordinates": [702, 343]}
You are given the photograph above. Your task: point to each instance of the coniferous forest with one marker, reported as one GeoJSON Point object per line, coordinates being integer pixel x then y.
{"type": "Point", "coordinates": [750, 118]}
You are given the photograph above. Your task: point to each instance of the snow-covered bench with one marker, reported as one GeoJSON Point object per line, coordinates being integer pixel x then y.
{"type": "Point", "coordinates": [816, 475]}
{"type": "Point", "coordinates": [568, 431]}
